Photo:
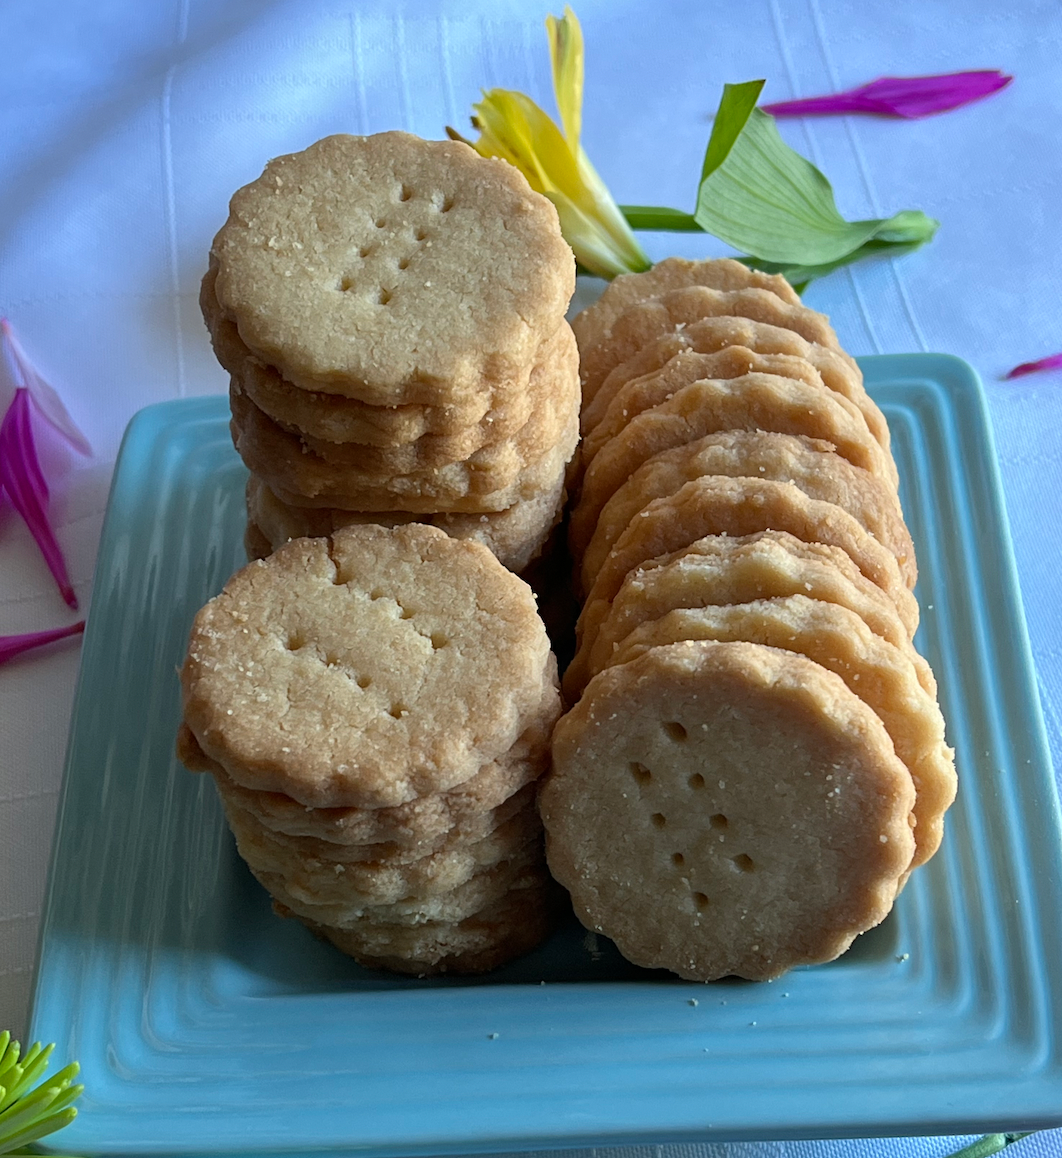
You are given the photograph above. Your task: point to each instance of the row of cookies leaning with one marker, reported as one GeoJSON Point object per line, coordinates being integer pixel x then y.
{"type": "Point", "coordinates": [374, 696]}
{"type": "Point", "coordinates": [756, 759]}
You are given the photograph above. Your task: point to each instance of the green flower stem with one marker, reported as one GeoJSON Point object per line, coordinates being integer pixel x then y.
{"type": "Point", "coordinates": [988, 1145]}
{"type": "Point", "coordinates": [660, 217]}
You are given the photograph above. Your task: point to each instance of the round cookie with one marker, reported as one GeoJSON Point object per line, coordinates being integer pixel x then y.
{"type": "Point", "coordinates": [492, 479]}
{"type": "Point", "coordinates": [315, 849]}
{"type": "Point", "coordinates": [752, 402]}
{"type": "Point", "coordinates": [393, 270]}
{"type": "Point", "coordinates": [524, 868]}
{"type": "Point", "coordinates": [721, 569]}
{"type": "Point", "coordinates": [333, 417]}
{"type": "Point", "coordinates": [715, 505]}
{"type": "Point", "coordinates": [384, 881]}
{"type": "Point", "coordinates": [487, 939]}
{"type": "Point", "coordinates": [552, 393]}
{"type": "Point", "coordinates": [807, 462]}
{"type": "Point", "coordinates": [464, 813]}
{"type": "Point", "coordinates": [367, 669]}
{"type": "Point", "coordinates": [882, 675]}
{"type": "Point", "coordinates": [256, 544]}
{"type": "Point", "coordinates": [644, 323]}
{"type": "Point", "coordinates": [554, 377]}
{"type": "Point", "coordinates": [516, 536]}
{"type": "Point", "coordinates": [593, 325]}
{"type": "Point", "coordinates": [642, 393]}
{"type": "Point", "coordinates": [726, 809]}
{"type": "Point", "coordinates": [710, 335]}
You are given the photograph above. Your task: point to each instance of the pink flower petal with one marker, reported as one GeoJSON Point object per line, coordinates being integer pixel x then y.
{"type": "Point", "coordinates": [12, 645]}
{"type": "Point", "coordinates": [21, 476]}
{"type": "Point", "coordinates": [900, 96]}
{"type": "Point", "coordinates": [1054, 362]}
{"type": "Point", "coordinates": [48, 402]}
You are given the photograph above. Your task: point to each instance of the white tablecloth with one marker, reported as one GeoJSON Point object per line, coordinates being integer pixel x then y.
{"type": "Point", "coordinates": [125, 126]}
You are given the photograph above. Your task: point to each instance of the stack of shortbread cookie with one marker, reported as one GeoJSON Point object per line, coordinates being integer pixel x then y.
{"type": "Point", "coordinates": [757, 760]}
{"type": "Point", "coordinates": [391, 314]}
{"type": "Point", "coordinates": [376, 708]}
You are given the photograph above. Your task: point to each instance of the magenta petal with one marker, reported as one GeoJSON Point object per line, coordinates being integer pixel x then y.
{"type": "Point", "coordinates": [901, 96]}
{"type": "Point", "coordinates": [21, 476]}
{"type": "Point", "coordinates": [1052, 363]}
{"type": "Point", "coordinates": [12, 645]}
{"type": "Point", "coordinates": [48, 402]}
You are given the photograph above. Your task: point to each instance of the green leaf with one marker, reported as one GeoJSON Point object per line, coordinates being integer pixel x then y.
{"type": "Point", "coordinates": [737, 105]}
{"type": "Point", "coordinates": [800, 275]}
{"type": "Point", "coordinates": [764, 199]}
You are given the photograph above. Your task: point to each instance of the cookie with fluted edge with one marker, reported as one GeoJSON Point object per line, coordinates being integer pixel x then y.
{"type": "Point", "coordinates": [722, 569]}
{"type": "Point", "coordinates": [715, 505]}
{"type": "Point", "coordinates": [336, 418]}
{"type": "Point", "coordinates": [407, 831]}
{"type": "Point", "coordinates": [593, 325]}
{"type": "Point", "coordinates": [726, 809]}
{"type": "Point", "coordinates": [493, 479]}
{"type": "Point", "coordinates": [524, 868]}
{"type": "Point", "coordinates": [341, 877]}
{"type": "Point", "coordinates": [752, 402]}
{"type": "Point", "coordinates": [712, 334]}
{"type": "Point", "coordinates": [367, 669]}
{"type": "Point", "coordinates": [645, 322]}
{"type": "Point", "coordinates": [516, 536]}
{"type": "Point", "coordinates": [809, 463]}
{"type": "Point", "coordinates": [648, 390]}
{"type": "Point", "coordinates": [485, 940]}
{"type": "Point", "coordinates": [882, 675]}
{"type": "Point", "coordinates": [552, 394]}
{"type": "Point", "coordinates": [393, 269]}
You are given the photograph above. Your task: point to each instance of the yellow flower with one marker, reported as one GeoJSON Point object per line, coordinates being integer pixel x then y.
{"type": "Point", "coordinates": [512, 126]}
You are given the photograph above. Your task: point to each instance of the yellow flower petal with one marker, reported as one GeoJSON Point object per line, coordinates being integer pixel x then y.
{"type": "Point", "coordinates": [566, 59]}
{"type": "Point", "coordinates": [513, 127]}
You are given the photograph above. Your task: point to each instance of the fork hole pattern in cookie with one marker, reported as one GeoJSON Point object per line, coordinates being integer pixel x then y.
{"type": "Point", "coordinates": [640, 773]}
{"type": "Point", "coordinates": [349, 281]}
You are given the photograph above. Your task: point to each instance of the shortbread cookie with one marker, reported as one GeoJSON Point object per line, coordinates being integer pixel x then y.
{"type": "Point", "coordinates": [552, 393]}
{"type": "Point", "coordinates": [516, 536]}
{"type": "Point", "coordinates": [644, 323]}
{"type": "Point", "coordinates": [255, 543]}
{"type": "Point", "coordinates": [466, 812]}
{"type": "Point", "coordinates": [710, 335]}
{"type": "Point", "coordinates": [493, 479]}
{"type": "Point", "coordinates": [593, 325]}
{"type": "Point", "coordinates": [882, 675]}
{"type": "Point", "coordinates": [393, 270]}
{"type": "Point", "coordinates": [497, 934]}
{"type": "Point", "coordinates": [524, 869]}
{"type": "Point", "coordinates": [726, 808]}
{"type": "Point", "coordinates": [721, 569]}
{"type": "Point", "coordinates": [553, 378]}
{"type": "Point", "coordinates": [715, 505]}
{"type": "Point", "coordinates": [753, 402]}
{"type": "Point", "coordinates": [807, 462]}
{"type": "Point", "coordinates": [640, 394]}
{"type": "Point", "coordinates": [338, 419]}
{"type": "Point", "coordinates": [384, 881]}
{"type": "Point", "coordinates": [367, 669]}
{"type": "Point", "coordinates": [280, 847]}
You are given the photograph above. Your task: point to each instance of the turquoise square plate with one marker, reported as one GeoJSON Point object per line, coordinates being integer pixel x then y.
{"type": "Point", "coordinates": [205, 1025]}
